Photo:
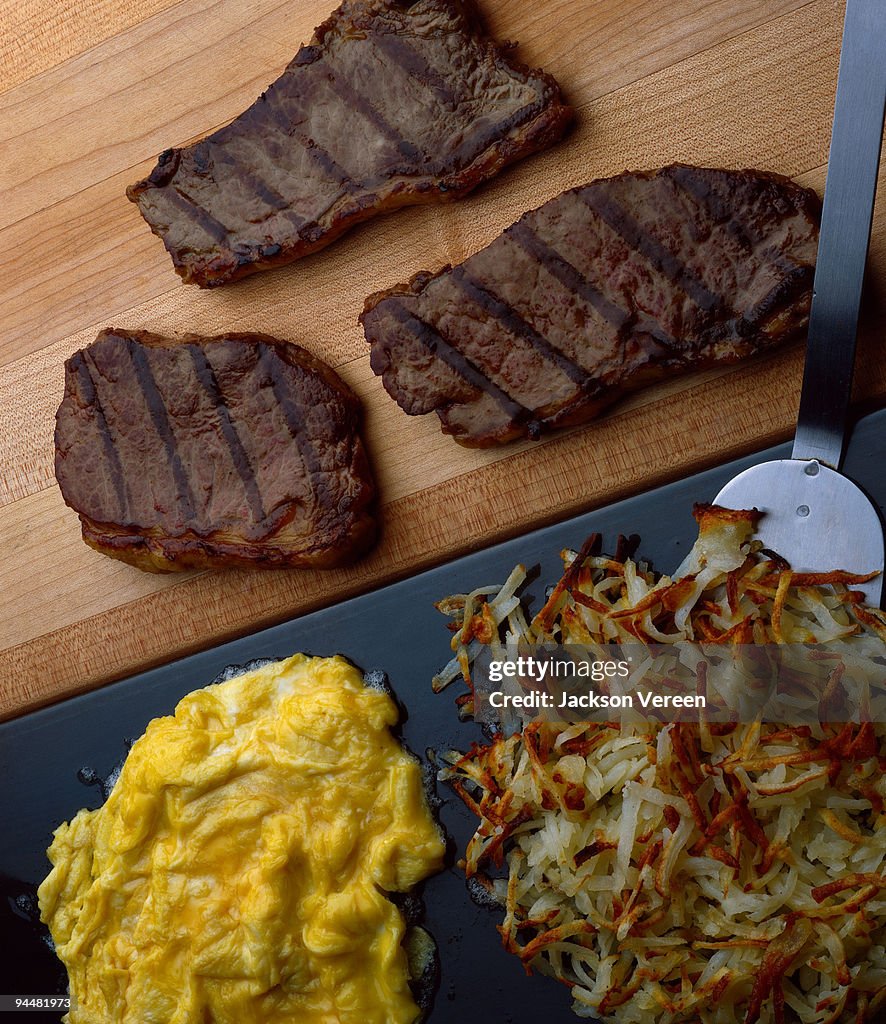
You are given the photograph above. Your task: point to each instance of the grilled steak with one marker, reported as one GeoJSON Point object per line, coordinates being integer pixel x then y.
{"type": "Point", "coordinates": [392, 103]}
{"type": "Point", "coordinates": [238, 450]}
{"type": "Point", "coordinates": [596, 293]}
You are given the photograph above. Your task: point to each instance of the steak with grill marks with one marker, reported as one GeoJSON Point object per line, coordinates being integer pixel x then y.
{"type": "Point", "coordinates": [599, 291]}
{"type": "Point", "coordinates": [237, 450]}
{"type": "Point", "coordinates": [392, 103]}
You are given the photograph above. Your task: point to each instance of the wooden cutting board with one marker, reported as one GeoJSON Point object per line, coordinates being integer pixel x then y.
{"type": "Point", "coordinates": [92, 90]}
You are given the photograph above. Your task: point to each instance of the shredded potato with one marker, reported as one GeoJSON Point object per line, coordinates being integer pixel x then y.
{"type": "Point", "coordinates": [674, 872]}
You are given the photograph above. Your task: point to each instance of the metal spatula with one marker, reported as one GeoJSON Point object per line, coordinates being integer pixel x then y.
{"type": "Point", "coordinates": [815, 517]}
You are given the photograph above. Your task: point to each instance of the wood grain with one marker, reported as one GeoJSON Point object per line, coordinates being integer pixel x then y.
{"type": "Point", "coordinates": [707, 82]}
{"type": "Point", "coordinates": [38, 35]}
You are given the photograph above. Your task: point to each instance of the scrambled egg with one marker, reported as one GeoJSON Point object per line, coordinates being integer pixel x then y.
{"type": "Point", "coordinates": [235, 872]}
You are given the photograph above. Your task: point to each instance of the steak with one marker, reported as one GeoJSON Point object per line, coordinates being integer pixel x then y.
{"type": "Point", "coordinates": [391, 103]}
{"type": "Point", "coordinates": [599, 291]}
{"type": "Point", "coordinates": [237, 450]}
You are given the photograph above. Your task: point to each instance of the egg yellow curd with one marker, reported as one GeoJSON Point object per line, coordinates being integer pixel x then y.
{"type": "Point", "coordinates": [237, 871]}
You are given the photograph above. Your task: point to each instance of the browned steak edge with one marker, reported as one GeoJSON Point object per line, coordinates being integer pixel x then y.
{"type": "Point", "coordinates": [190, 552]}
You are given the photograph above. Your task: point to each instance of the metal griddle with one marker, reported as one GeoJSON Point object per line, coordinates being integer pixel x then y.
{"type": "Point", "coordinates": [397, 630]}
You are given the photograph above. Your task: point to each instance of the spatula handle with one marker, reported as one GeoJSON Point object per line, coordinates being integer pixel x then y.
{"type": "Point", "coordinates": [851, 183]}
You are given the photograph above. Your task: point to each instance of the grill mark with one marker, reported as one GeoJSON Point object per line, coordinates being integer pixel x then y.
{"type": "Point", "coordinates": [293, 413]}
{"type": "Point", "coordinates": [781, 296]}
{"type": "Point", "coordinates": [192, 209]}
{"type": "Point", "coordinates": [270, 196]}
{"type": "Point", "coordinates": [479, 141]}
{"type": "Point", "coordinates": [312, 230]}
{"type": "Point", "coordinates": [207, 378]}
{"type": "Point", "coordinates": [572, 279]}
{"type": "Point", "coordinates": [285, 122]}
{"type": "Point", "coordinates": [658, 257]}
{"type": "Point", "coordinates": [416, 65]}
{"type": "Point", "coordinates": [358, 102]}
{"type": "Point", "coordinates": [160, 419]}
{"type": "Point", "coordinates": [217, 153]}
{"type": "Point", "coordinates": [514, 322]}
{"type": "Point", "coordinates": [112, 456]}
{"type": "Point", "coordinates": [327, 163]}
{"type": "Point", "coordinates": [455, 359]}
{"type": "Point", "coordinates": [275, 115]}
{"type": "Point", "coordinates": [272, 199]}
{"type": "Point", "coordinates": [716, 208]}
{"type": "Point", "coordinates": [784, 262]}
{"type": "Point", "coordinates": [723, 216]}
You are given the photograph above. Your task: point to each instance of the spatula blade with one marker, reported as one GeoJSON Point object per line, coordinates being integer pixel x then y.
{"type": "Point", "coordinates": [815, 518]}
